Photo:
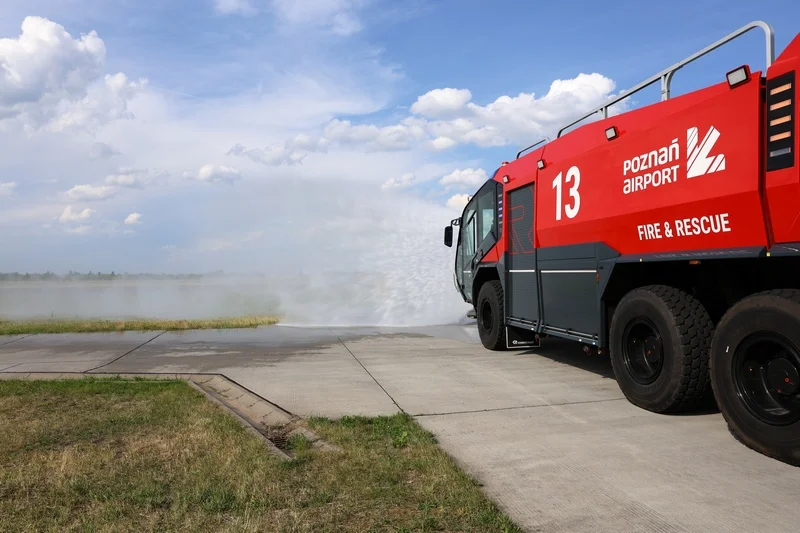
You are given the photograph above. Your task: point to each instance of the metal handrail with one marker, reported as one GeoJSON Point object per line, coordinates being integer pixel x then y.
{"type": "Point", "coordinates": [666, 75]}
{"type": "Point", "coordinates": [531, 146]}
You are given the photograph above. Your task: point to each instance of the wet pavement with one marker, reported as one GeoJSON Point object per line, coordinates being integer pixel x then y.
{"type": "Point", "coordinates": [548, 434]}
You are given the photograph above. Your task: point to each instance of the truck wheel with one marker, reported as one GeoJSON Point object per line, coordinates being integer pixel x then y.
{"type": "Point", "coordinates": [659, 349]}
{"type": "Point", "coordinates": [755, 372]}
{"type": "Point", "coordinates": [491, 316]}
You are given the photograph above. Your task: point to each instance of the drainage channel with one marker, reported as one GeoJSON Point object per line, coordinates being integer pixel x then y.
{"type": "Point", "coordinates": [275, 426]}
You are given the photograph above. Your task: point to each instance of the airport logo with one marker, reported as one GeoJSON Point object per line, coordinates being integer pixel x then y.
{"type": "Point", "coordinates": [699, 162]}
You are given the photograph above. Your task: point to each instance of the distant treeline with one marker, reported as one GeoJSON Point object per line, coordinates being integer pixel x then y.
{"type": "Point", "coordinates": [103, 276]}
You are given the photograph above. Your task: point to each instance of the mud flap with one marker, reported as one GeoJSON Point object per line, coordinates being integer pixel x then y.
{"type": "Point", "coordinates": [521, 339]}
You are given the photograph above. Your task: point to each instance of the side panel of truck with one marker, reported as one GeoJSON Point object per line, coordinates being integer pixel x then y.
{"type": "Point", "coordinates": [682, 175]}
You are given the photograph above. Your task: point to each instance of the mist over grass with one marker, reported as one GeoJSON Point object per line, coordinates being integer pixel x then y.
{"type": "Point", "coordinates": [315, 254]}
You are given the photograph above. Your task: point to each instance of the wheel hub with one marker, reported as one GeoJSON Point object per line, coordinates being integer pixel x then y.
{"type": "Point", "coordinates": [652, 350]}
{"type": "Point", "coordinates": [767, 374]}
{"type": "Point", "coordinates": [487, 318]}
{"type": "Point", "coordinates": [643, 351]}
{"type": "Point", "coordinates": [783, 376]}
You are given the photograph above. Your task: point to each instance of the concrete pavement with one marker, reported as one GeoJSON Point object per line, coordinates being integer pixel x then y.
{"type": "Point", "coordinates": [549, 434]}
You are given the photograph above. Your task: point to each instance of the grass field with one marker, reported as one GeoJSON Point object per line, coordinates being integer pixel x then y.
{"type": "Point", "coordinates": [117, 455]}
{"type": "Point", "coordinates": [28, 327]}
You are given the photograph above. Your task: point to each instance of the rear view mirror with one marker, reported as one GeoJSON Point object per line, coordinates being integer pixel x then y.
{"type": "Point", "coordinates": [448, 236]}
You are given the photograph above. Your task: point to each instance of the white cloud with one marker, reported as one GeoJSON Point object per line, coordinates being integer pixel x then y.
{"type": "Point", "coordinates": [468, 131]}
{"type": "Point", "coordinates": [469, 177]}
{"type": "Point", "coordinates": [53, 81]}
{"type": "Point", "coordinates": [133, 218]}
{"type": "Point", "coordinates": [7, 188]}
{"type": "Point", "coordinates": [134, 178]}
{"type": "Point", "coordinates": [371, 137]}
{"type": "Point", "coordinates": [79, 229]}
{"type": "Point", "coordinates": [90, 192]}
{"type": "Point", "coordinates": [458, 201]}
{"type": "Point", "coordinates": [444, 118]}
{"type": "Point", "coordinates": [103, 103]}
{"type": "Point", "coordinates": [291, 152]}
{"type": "Point", "coordinates": [340, 133]}
{"type": "Point", "coordinates": [130, 179]}
{"type": "Point", "coordinates": [68, 215]}
{"type": "Point", "coordinates": [345, 24]}
{"type": "Point", "coordinates": [214, 173]}
{"type": "Point", "coordinates": [439, 144]}
{"type": "Point", "coordinates": [441, 102]}
{"type": "Point", "coordinates": [524, 116]}
{"type": "Point", "coordinates": [240, 7]}
{"type": "Point", "coordinates": [339, 16]}
{"type": "Point", "coordinates": [403, 182]}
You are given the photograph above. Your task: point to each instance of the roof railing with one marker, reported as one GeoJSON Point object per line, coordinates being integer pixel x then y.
{"type": "Point", "coordinates": [666, 75]}
{"type": "Point", "coordinates": [534, 145]}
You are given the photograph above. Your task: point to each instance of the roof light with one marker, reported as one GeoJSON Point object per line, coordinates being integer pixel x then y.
{"type": "Point", "coordinates": [738, 76]}
{"type": "Point", "coordinates": [540, 164]}
{"type": "Point", "coordinates": [611, 133]}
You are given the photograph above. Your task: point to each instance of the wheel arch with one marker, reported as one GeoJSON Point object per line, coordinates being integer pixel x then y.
{"type": "Point", "coordinates": [718, 281]}
{"type": "Point", "coordinates": [485, 273]}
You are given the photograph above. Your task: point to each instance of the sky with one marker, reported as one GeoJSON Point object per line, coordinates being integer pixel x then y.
{"type": "Point", "coordinates": [299, 135]}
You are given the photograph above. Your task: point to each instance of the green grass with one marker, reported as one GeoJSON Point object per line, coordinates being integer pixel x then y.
{"type": "Point", "coordinates": [119, 455]}
{"type": "Point", "coordinates": [28, 327]}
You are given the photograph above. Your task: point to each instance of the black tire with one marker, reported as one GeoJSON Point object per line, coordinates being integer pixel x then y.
{"type": "Point", "coordinates": [491, 316]}
{"type": "Point", "coordinates": [681, 334]}
{"type": "Point", "coordinates": [749, 330]}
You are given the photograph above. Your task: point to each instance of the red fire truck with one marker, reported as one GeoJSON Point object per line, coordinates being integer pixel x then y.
{"type": "Point", "coordinates": [667, 236]}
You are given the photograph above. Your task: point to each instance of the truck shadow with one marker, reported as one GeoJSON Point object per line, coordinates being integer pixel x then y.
{"type": "Point", "coordinates": [570, 353]}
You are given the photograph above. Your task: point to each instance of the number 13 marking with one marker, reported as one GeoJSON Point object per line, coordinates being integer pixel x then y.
{"type": "Point", "coordinates": [574, 176]}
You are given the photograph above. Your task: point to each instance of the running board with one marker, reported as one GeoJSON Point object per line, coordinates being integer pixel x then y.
{"type": "Point", "coordinates": [571, 335]}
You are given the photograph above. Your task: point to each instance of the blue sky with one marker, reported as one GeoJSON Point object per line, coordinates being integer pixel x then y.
{"type": "Point", "coordinates": [221, 121]}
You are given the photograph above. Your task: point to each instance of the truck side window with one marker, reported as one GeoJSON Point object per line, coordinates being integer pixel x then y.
{"type": "Point", "coordinates": [486, 203]}
{"type": "Point", "coordinates": [469, 229]}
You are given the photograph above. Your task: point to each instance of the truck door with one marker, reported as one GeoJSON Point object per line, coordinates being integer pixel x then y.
{"type": "Point", "coordinates": [478, 234]}
{"type": "Point", "coordinates": [467, 235]}
{"type": "Point", "coordinates": [523, 278]}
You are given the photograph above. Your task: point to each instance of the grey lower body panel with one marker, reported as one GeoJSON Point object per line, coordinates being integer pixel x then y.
{"type": "Point", "coordinates": [523, 286]}
{"type": "Point", "coordinates": [570, 302]}
{"type": "Point", "coordinates": [560, 295]}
